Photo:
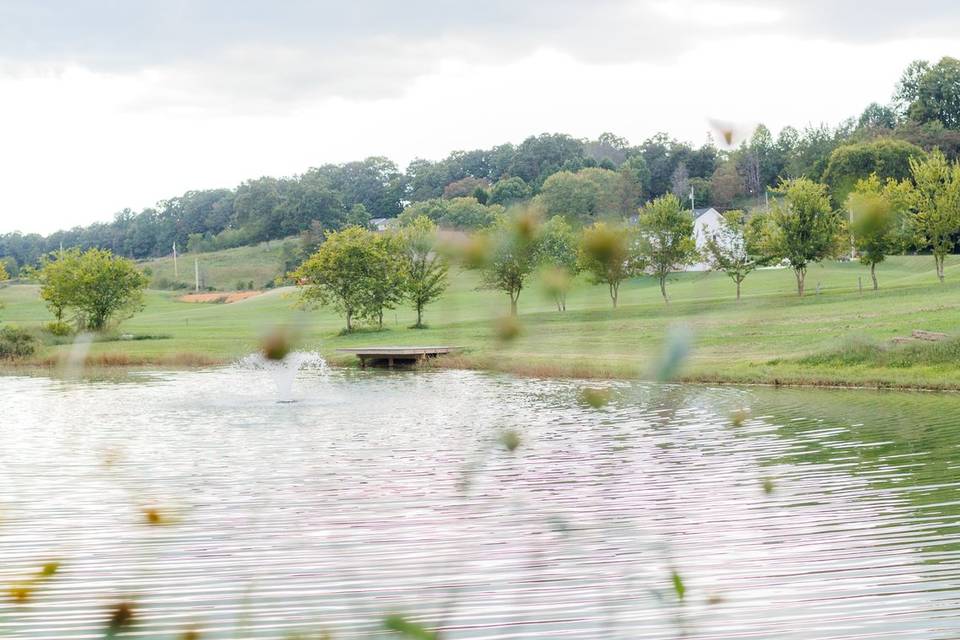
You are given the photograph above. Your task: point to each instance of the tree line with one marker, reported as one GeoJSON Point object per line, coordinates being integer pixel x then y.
{"type": "Point", "coordinates": [583, 179]}
{"type": "Point", "coordinates": [360, 273]}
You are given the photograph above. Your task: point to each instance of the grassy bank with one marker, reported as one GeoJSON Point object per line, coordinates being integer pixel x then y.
{"type": "Point", "coordinates": [836, 337]}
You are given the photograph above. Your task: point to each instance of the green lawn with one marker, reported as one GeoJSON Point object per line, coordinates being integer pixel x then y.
{"type": "Point", "coordinates": [223, 270]}
{"type": "Point", "coordinates": [770, 336]}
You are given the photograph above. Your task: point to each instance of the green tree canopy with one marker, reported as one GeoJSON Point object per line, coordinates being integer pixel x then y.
{"type": "Point", "coordinates": [733, 247]}
{"type": "Point", "coordinates": [885, 157]}
{"type": "Point", "coordinates": [514, 254]}
{"type": "Point", "coordinates": [608, 253]}
{"type": "Point", "coordinates": [424, 269]}
{"type": "Point", "coordinates": [877, 211]}
{"type": "Point", "coordinates": [666, 238]}
{"type": "Point", "coordinates": [96, 285]}
{"type": "Point", "coordinates": [558, 255]}
{"type": "Point", "coordinates": [932, 92]}
{"type": "Point", "coordinates": [936, 200]}
{"type": "Point", "coordinates": [509, 191]}
{"type": "Point", "coordinates": [340, 273]}
{"type": "Point", "coordinates": [802, 227]}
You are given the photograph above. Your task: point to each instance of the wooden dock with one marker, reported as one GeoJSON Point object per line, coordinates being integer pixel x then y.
{"type": "Point", "coordinates": [390, 356]}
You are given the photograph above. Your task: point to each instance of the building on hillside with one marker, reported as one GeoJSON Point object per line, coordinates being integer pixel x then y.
{"type": "Point", "coordinates": [383, 224]}
{"type": "Point", "coordinates": [705, 221]}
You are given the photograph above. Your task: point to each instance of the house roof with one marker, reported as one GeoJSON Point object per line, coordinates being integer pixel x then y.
{"type": "Point", "coordinates": [699, 212]}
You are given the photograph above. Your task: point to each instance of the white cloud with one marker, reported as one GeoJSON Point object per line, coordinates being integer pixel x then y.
{"type": "Point", "coordinates": [224, 101]}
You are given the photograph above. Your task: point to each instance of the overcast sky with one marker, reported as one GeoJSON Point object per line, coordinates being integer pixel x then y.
{"type": "Point", "coordinates": [106, 104]}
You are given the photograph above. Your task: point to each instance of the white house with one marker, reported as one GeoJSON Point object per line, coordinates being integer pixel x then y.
{"type": "Point", "coordinates": [704, 221]}
{"type": "Point", "coordinates": [383, 224]}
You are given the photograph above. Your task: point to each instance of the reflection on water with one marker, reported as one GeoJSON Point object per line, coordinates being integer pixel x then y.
{"type": "Point", "coordinates": [208, 506]}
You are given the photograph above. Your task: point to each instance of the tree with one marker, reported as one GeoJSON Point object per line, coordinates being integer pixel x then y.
{"type": "Point", "coordinates": [608, 253]}
{"type": "Point", "coordinates": [465, 187]}
{"type": "Point", "coordinates": [558, 253]}
{"type": "Point", "coordinates": [425, 271]}
{"type": "Point", "coordinates": [385, 276]}
{"type": "Point", "coordinates": [850, 163]}
{"type": "Point", "coordinates": [877, 117]}
{"type": "Point", "coordinates": [4, 276]}
{"type": "Point", "coordinates": [666, 238]}
{"type": "Point", "coordinates": [802, 227]}
{"type": "Point", "coordinates": [932, 92]}
{"type": "Point", "coordinates": [509, 191]}
{"type": "Point", "coordinates": [726, 184]}
{"type": "Point", "coordinates": [513, 256]}
{"type": "Point", "coordinates": [680, 181]}
{"type": "Point", "coordinates": [358, 216]}
{"type": "Point", "coordinates": [97, 285]}
{"type": "Point", "coordinates": [875, 227]}
{"type": "Point", "coordinates": [56, 280]}
{"type": "Point", "coordinates": [733, 249]}
{"type": "Point", "coordinates": [936, 200]}
{"type": "Point", "coordinates": [339, 273]}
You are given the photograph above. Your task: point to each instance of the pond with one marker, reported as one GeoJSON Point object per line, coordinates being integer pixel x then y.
{"type": "Point", "coordinates": [206, 505]}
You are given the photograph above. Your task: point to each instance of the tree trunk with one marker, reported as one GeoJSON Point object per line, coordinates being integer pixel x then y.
{"type": "Point", "coordinates": [939, 261]}
{"type": "Point", "coordinates": [800, 274]}
{"type": "Point", "coordinates": [513, 305]}
{"type": "Point", "coordinates": [663, 288]}
{"type": "Point", "coordinates": [349, 323]}
{"type": "Point", "coordinates": [873, 275]}
{"type": "Point", "coordinates": [419, 315]}
{"type": "Point", "coordinates": [738, 291]}
{"type": "Point", "coordinates": [614, 293]}
{"type": "Point", "coordinates": [380, 319]}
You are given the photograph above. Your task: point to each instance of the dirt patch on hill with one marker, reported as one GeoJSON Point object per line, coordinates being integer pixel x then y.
{"type": "Point", "coordinates": [225, 297]}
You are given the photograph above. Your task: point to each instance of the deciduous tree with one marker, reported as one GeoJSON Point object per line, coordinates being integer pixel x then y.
{"type": "Point", "coordinates": [558, 254]}
{"type": "Point", "coordinates": [732, 248]}
{"type": "Point", "coordinates": [877, 213]}
{"type": "Point", "coordinates": [513, 254]}
{"type": "Point", "coordinates": [608, 253]}
{"type": "Point", "coordinates": [97, 285]}
{"type": "Point", "coordinates": [425, 270]}
{"type": "Point", "coordinates": [666, 238]}
{"type": "Point", "coordinates": [936, 200]}
{"type": "Point", "coordinates": [802, 227]}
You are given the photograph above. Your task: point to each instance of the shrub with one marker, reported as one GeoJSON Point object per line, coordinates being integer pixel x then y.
{"type": "Point", "coordinates": [16, 343]}
{"type": "Point", "coordinates": [59, 329]}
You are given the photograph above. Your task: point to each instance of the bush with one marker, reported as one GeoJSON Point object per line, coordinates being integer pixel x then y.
{"type": "Point", "coordinates": [167, 284]}
{"type": "Point", "coordinates": [16, 343]}
{"type": "Point", "coordinates": [59, 329]}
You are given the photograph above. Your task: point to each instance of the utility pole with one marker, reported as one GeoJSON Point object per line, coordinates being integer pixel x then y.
{"type": "Point", "coordinates": [196, 274]}
{"type": "Point", "coordinates": [693, 204]}
{"type": "Point", "coordinates": [176, 272]}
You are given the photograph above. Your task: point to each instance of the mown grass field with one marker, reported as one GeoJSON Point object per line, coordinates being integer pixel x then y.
{"type": "Point", "coordinates": [771, 336]}
{"type": "Point", "coordinates": [222, 270]}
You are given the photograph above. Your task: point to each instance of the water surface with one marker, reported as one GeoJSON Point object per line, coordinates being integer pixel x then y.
{"type": "Point", "coordinates": [824, 514]}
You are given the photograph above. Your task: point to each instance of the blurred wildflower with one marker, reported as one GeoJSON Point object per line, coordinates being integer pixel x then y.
{"type": "Point", "coordinates": [731, 134]}
{"type": "Point", "coordinates": [768, 485]}
{"type": "Point", "coordinates": [508, 328]}
{"type": "Point", "coordinates": [738, 417]}
{"type": "Point", "coordinates": [510, 440]}
{"type": "Point", "coordinates": [399, 624]}
{"type": "Point", "coordinates": [277, 343]}
{"type": "Point", "coordinates": [675, 352]}
{"type": "Point", "coordinates": [678, 586]}
{"type": "Point", "coordinates": [596, 397]}
{"type": "Point", "coordinates": [121, 616]}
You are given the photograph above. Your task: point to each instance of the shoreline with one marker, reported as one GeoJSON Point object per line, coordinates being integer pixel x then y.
{"type": "Point", "coordinates": [114, 361]}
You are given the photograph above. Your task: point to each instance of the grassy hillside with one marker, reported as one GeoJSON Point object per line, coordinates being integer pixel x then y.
{"type": "Point", "coordinates": [222, 270]}
{"type": "Point", "coordinates": [770, 336]}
